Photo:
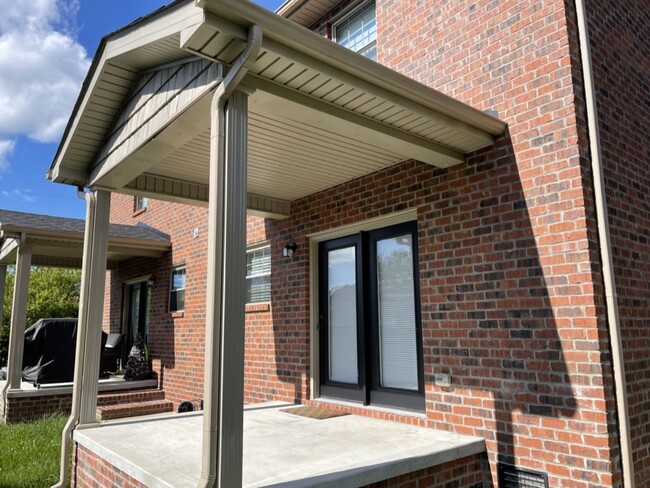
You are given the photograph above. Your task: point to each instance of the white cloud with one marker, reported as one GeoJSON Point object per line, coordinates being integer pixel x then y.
{"type": "Point", "coordinates": [6, 148]}
{"type": "Point", "coordinates": [41, 67]}
{"type": "Point", "coordinates": [24, 194]}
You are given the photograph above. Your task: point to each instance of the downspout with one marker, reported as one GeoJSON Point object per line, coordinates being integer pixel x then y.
{"type": "Point", "coordinates": [73, 420]}
{"type": "Point", "coordinates": [613, 319]}
{"type": "Point", "coordinates": [213, 411]}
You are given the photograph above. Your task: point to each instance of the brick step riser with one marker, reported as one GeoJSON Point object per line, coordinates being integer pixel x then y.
{"type": "Point", "coordinates": [105, 399]}
{"type": "Point", "coordinates": [111, 412]}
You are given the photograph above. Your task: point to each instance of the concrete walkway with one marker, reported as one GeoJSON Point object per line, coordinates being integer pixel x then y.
{"type": "Point", "coordinates": [280, 449]}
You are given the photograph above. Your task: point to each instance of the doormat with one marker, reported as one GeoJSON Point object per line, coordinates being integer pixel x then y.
{"type": "Point", "coordinates": [318, 413]}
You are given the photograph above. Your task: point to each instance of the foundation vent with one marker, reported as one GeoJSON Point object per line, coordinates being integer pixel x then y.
{"type": "Point", "coordinates": [513, 477]}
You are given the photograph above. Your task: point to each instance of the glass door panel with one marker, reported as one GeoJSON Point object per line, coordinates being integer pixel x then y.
{"type": "Point", "coordinates": [342, 316]}
{"type": "Point", "coordinates": [397, 327]}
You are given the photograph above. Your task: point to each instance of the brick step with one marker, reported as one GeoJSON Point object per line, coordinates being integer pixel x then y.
{"type": "Point", "coordinates": [135, 409]}
{"type": "Point", "coordinates": [131, 396]}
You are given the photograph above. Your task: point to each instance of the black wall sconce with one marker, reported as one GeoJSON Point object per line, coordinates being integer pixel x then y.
{"type": "Point", "coordinates": [289, 250]}
{"type": "Point", "coordinates": [151, 282]}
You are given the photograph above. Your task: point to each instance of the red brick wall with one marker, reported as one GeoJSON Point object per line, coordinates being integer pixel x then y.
{"type": "Point", "coordinates": [512, 303]}
{"type": "Point", "coordinates": [620, 46]}
{"type": "Point", "coordinates": [90, 471]}
{"type": "Point", "coordinates": [510, 287]}
{"type": "Point", "coordinates": [176, 341]}
{"type": "Point", "coordinates": [29, 408]}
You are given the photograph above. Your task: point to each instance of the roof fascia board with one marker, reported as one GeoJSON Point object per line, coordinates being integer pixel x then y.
{"type": "Point", "coordinates": [56, 173]}
{"type": "Point", "coordinates": [92, 78]}
{"type": "Point", "coordinates": [323, 52]}
{"type": "Point", "coordinates": [144, 33]}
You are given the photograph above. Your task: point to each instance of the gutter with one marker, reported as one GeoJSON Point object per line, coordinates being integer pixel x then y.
{"type": "Point", "coordinates": [82, 326]}
{"type": "Point", "coordinates": [613, 318]}
{"type": "Point", "coordinates": [212, 416]}
{"type": "Point", "coordinates": [280, 33]}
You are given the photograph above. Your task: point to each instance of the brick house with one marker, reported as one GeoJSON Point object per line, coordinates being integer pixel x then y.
{"type": "Point", "coordinates": [503, 296]}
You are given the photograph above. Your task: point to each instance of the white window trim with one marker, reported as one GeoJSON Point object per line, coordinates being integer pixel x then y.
{"type": "Point", "coordinates": [253, 248]}
{"type": "Point", "coordinates": [172, 289]}
{"type": "Point", "coordinates": [316, 238]}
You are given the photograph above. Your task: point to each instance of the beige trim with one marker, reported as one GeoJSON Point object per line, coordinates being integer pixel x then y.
{"type": "Point", "coordinates": [316, 238]}
{"type": "Point", "coordinates": [137, 280]}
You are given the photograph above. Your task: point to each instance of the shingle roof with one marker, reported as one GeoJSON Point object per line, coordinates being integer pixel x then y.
{"type": "Point", "coordinates": [28, 222]}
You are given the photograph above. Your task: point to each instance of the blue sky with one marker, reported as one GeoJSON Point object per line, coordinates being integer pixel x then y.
{"type": "Point", "coordinates": [45, 49]}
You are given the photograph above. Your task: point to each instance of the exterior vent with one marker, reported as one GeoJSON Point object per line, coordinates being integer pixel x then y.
{"type": "Point", "coordinates": [513, 477]}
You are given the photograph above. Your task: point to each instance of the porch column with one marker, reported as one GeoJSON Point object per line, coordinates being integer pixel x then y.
{"type": "Point", "coordinates": [3, 284]}
{"type": "Point", "coordinates": [226, 290]}
{"type": "Point", "coordinates": [18, 317]}
{"type": "Point", "coordinates": [94, 276]}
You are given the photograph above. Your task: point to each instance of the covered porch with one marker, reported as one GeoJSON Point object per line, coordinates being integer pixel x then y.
{"type": "Point", "coordinates": [222, 103]}
{"type": "Point", "coordinates": [28, 240]}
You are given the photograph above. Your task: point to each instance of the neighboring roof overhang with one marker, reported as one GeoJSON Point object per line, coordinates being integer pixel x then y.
{"type": "Point", "coordinates": [319, 114]}
{"type": "Point", "coordinates": [306, 12]}
{"type": "Point", "coordinates": [58, 241]}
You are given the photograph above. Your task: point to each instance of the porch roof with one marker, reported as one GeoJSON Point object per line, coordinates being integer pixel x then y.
{"type": "Point", "coordinates": [319, 114]}
{"type": "Point", "coordinates": [58, 241]}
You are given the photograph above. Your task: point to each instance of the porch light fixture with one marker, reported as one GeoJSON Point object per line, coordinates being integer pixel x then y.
{"type": "Point", "coordinates": [151, 282]}
{"type": "Point", "coordinates": [289, 250]}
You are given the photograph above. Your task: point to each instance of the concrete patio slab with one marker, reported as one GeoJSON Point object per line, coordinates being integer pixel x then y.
{"type": "Point", "coordinates": [280, 449]}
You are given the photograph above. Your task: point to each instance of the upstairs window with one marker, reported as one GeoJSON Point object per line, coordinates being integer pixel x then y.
{"type": "Point", "coordinates": [140, 203]}
{"type": "Point", "coordinates": [358, 31]}
{"type": "Point", "coordinates": [177, 290]}
{"type": "Point", "coordinates": [258, 274]}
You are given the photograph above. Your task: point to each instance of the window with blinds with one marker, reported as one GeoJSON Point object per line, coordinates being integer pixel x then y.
{"type": "Point", "coordinates": [358, 31]}
{"type": "Point", "coordinates": [258, 274]}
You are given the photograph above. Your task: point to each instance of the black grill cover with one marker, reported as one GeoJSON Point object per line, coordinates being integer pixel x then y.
{"type": "Point", "coordinates": [50, 351]}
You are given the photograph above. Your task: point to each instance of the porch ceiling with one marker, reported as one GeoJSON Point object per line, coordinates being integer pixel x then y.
{"type": "Point", "coordinates": [319, 114]}
{"type": "Point", "coordinates": [58, 241]}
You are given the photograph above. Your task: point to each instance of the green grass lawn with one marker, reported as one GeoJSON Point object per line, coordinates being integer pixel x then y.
{"type": "Point", "coordinates": [29, 453]}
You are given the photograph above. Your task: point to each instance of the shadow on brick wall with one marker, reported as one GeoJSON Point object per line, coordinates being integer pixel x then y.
{"type": "Point", "coordinates": [496, 280]}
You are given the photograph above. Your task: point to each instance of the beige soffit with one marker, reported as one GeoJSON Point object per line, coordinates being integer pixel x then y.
{"type": "Point", "coordinates": [319, 114]}
{"type": "Point", "coordinates": [306, 12]}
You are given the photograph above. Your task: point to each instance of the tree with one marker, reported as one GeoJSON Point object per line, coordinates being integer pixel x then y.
{"type": "Point", "coordinates": [53, 293]}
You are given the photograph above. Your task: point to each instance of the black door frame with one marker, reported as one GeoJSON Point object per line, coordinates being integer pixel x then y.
{"type": "Point", "coordinates": [368, 389]}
